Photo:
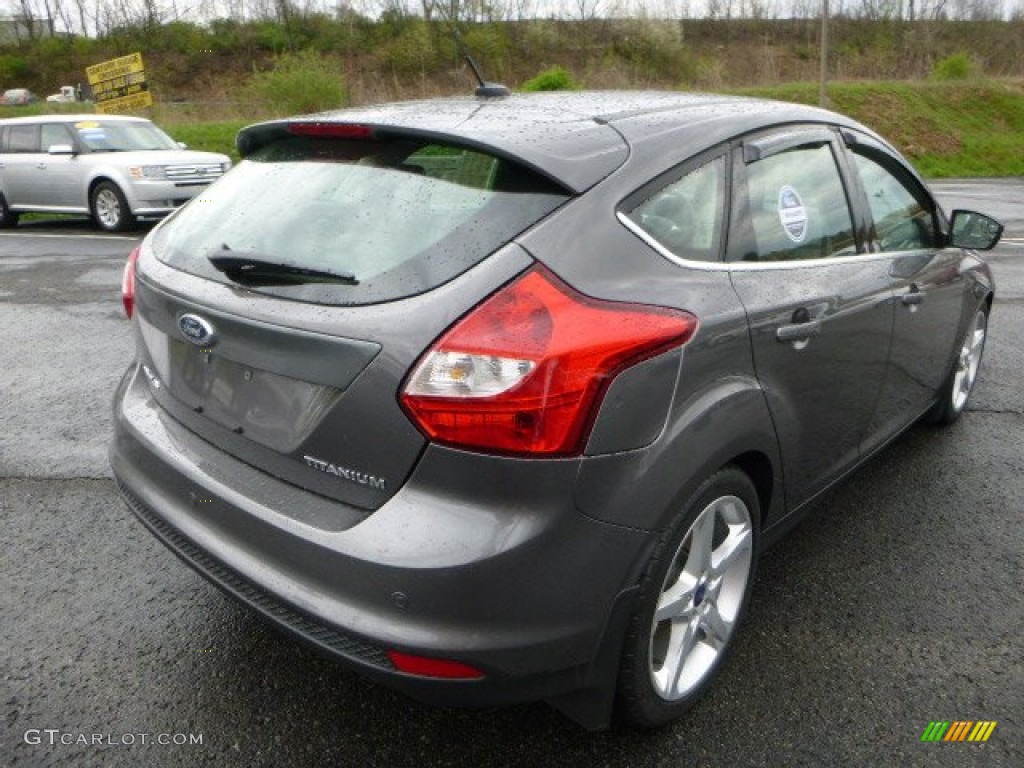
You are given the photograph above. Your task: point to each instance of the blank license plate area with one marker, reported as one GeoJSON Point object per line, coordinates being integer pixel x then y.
{"type": "Point", "coordinates": [273, 410]}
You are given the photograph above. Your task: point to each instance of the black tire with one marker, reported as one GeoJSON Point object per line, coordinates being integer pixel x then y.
{"type": "Point", "coordinates": [109, 207]}
{"type": "Point", "coordinates": [956, 391]}
{"type": "Point", "coordinates": [8, 218]}
{"type": "Point", "coordinates": [701, 607]}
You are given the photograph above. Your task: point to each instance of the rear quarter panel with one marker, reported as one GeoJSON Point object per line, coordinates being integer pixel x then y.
{"type": "Point", "coordinates": [714, 411]}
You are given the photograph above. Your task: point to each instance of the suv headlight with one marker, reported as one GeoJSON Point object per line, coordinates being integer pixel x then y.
{"type": "Point", "coordinates": [148, 172]}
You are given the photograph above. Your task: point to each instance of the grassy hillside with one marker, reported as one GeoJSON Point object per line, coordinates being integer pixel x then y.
{"type": "Point", "coordinates": [947, 129]}
{"type": "Point", "coordinates": [401, 55]}
{"type": "Point", "coordinates": [970, 128]}
{"type": "Point", "coordinates": [973, 128]}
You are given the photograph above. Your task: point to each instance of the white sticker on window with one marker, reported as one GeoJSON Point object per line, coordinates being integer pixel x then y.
{"type": "Point", "coordinates": [792, 214]}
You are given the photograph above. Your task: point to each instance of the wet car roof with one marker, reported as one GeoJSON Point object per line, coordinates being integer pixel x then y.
{"type": "Point", "coordinates": [574, 138]}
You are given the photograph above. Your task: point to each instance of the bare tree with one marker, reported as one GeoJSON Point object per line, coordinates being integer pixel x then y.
{"type": "Point", "coordinates": [27, 16]}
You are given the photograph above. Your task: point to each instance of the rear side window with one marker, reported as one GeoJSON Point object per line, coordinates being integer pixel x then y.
{"type": "Point", "coordinates": [798, 206]}
{"type": "Point", "coordinates": [23, 138]}
{"type": "Point", "coordinates": [400, 216]}
{"type": "Point", "coordinates": [685, 217]}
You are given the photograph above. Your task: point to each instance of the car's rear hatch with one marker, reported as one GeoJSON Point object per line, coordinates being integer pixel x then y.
{"type": "Point", "coordinates": [280, 312]}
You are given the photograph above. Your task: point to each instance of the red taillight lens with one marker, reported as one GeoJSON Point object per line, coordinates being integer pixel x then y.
{"type": "Point", "coordinates": [128, 282]}
{"type": "Point", "coordinates": [524, 372]}
{"type": "Point", "coordinates": [427, 667]}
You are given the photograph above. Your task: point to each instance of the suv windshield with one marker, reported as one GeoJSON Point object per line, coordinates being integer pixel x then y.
{"type": "Point", "coordinates": [394, 218]}
{"type": "Point", "coordinates": [121, 136]}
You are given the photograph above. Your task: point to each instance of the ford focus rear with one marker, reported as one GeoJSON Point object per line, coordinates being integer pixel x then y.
{"type": "Point", "coordinates": [479, 396]}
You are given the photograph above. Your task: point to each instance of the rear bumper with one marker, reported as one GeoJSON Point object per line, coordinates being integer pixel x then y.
{"type": "Point", "coordinates": [480, 560]}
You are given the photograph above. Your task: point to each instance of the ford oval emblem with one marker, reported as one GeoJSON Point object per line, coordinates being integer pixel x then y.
{"type": "Point", "coordinates": [197, 330]}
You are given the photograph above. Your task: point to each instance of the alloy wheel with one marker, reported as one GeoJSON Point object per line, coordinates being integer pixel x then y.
{"type": "Point", "coordinates": [108, 208]}
{"type": "Point", "coordinates": [701, 598]}
{"type": "Point", "coordinates": [968, 360]}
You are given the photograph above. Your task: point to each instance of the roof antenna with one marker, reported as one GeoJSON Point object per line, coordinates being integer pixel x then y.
{"type": "Point", "coordinates": [484, 89]}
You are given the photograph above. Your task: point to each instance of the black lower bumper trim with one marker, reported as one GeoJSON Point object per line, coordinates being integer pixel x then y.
{"type": "Point", "coordinates": [307, 628]}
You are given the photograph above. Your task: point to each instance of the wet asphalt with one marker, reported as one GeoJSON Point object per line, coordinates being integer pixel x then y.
{"type": "Point", "coordinates": [897, 602]}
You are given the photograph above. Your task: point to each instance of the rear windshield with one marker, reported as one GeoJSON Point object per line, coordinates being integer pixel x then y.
{"type": "Point", "coordinates": [399, 217]}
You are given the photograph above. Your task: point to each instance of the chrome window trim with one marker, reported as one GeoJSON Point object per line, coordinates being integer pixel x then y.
{"type": "Point", "coordinates": [748, 266]}
{"type": "Point", "coordinates": [637, 230]}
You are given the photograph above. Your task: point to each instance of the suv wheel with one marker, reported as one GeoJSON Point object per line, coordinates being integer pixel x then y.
{"type": "Point", "coordinates": [692, 599]}
{"type": "Point", "coordinates": [109, 208]}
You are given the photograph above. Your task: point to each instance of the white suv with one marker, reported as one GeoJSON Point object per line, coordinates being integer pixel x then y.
{"type": "Point", "coordinates": [112, 167]}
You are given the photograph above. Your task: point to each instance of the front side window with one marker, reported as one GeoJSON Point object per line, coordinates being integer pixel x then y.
{"type": "Point", "coordinates": [53, 133]}
{"type": "Point", "coordinates": [685, 217]}
{"type": "Point", "coordinates": [399, 216]}
{"type": "Point", "coordinates": [900, 210]}
{"type": "Point", "coordinates": [798, 206]}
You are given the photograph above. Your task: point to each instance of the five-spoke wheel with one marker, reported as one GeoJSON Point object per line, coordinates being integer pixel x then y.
{"type": "Point", "coordinates": [968, 360]}
{"type": "Point", "coordinates": [701, 597]}
{"type": "Point", "coordinates": [110, 208]}
{"type": "Point", "coordinates": [957, 389]}
{"type": "Point", "coordinates": [692, 600]}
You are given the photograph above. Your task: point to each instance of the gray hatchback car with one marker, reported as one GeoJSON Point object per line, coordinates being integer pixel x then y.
{"type": "Point", "coordinates": [500, 399]}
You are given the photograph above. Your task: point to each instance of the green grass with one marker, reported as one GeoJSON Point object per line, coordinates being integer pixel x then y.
{"type": "Point", "coordinates": [947, 129]}
{"type": "Point", "coordinates": [209, 137]}
{"type": "Point", "coordinates": [47, 108]}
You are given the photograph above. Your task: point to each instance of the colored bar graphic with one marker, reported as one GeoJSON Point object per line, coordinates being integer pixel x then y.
{"type": "Point", "coordinates": [982, 730]}
{"type": "Point", "coordinates": [959, 730]}
{"type": "Point", "coordinates": [935, 730]}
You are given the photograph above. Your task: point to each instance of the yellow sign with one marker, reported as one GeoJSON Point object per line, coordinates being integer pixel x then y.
{"type": "Point", "coordinates": [119, 67]}
{"type": "Point", "coordinates": [125, 103]}
{"type": "Point", "coordinates": [119, 85]}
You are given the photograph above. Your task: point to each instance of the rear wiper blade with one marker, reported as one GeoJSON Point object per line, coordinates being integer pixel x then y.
{"type": "Point", "coordinates": [256, 269]}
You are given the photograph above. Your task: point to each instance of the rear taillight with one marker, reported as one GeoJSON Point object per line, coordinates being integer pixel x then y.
{"type": "Point", "coordinates": [128, 282]}
{"type": "Point", "coordinates": [524, 372]}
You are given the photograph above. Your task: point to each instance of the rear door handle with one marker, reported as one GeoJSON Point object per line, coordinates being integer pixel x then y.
{"type": "Point", "coordinates": [798, 332]}
{"type": "Point", "coordinates": [912, 297]}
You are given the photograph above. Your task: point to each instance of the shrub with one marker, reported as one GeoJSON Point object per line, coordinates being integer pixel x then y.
{"type": "Point", "coordinates": [298, 83]}
{"type": "Point", "coordinates": [13, 67]}
{"type": "Point", "coordinates": [959, 66]}
{"type": "Point", "coordinates": [410, 51]}
{"type": "Point", "coordinates": [553, 79]}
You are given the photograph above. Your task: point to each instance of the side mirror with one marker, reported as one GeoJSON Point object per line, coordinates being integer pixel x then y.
{"type": "Point", "coordinates": [61, 149]}
{"type": "Point", "coordinates": [181, 145]}
{"type": "Point", "coordinates": [973, 230]}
